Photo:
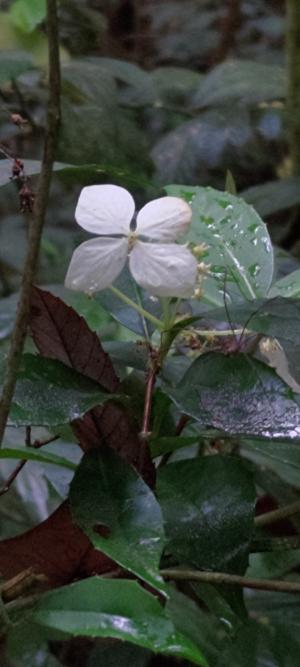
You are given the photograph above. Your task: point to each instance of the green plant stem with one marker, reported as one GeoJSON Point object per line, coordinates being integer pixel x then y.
{"type": "Point", "coordinates": [219, 578]}
{"type": "Point", "coordinates": [144, 313]}
{"type": "Point", "coordinates": [276, 515]}
{"type": "Point", "coordinates": [37, 219]}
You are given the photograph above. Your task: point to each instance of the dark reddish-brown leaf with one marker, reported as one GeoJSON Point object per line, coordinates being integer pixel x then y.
{"type": "Point", "coordinates": [56, 548]}
{"type": "Point", "coordinates": [60, 333]}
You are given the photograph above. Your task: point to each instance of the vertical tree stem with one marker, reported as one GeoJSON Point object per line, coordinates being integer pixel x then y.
{"type": "Point", "coordinates": [293, 92]}
{"type": "Point", "coordinates": [36, 220]}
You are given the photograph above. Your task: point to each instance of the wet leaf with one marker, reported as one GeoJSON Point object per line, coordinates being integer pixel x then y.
{"type": "Point", "coordinates": [118, 609]}
{"type": "Point", "coordinates": [59, 332]}
{"type": "Point", "coordinates": [208, 506]}
{"type": "Point", "coordinates": [238, 395]}
{"type": "Point", "coordinates": [119, 514]}
{"type": "Point", "coordinates": [48, 393]}
{"type": "Point", "coordinates": [239, 248]}
{"type": "Point", "coordinates": [278, 318]}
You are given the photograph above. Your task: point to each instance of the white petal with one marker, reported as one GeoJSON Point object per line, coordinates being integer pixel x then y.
{"type": "Point", "coordinates": [95, 264]}
{"type": "Point", "coordinates": [105, 209]}
{"type": "Point", "coordinates": [164, 269]}
{"type": "Point", "coordinates": [164, 219]}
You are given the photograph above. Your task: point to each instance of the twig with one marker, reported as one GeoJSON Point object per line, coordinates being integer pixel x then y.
{"type": "Point", "coordinates": [11, 478]}
{"type": "Point", "coordinates": [35, 445]}
{"type": "Point", "coordinates": [276, 515]}
{"type": "Point", "coordinates": [151, 378]}
{"type": "Point", "coordinates": [37, 219]}
{"type": "Point", "coordinates": [275, 585]}
{"type": "Point", "coordinates": [21, 583]}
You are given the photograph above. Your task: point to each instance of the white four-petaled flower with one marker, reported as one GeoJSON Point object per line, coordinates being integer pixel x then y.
{"type": "Point", "coordinates": [163, 268]}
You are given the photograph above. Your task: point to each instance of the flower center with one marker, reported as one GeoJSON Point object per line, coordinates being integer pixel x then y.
{"type": "Point", "coordinates": [132, 238]}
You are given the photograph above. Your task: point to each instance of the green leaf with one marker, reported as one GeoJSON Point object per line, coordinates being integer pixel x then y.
{"type": "Point", "coordinates": [283, 458]}
{"type": "Point", "coordinates": [214, 142]}
{"type": "Point", "coordinates": [286, 453]}
{"type": "Point", "coordinates": [31, 454]}
{"type": "Point", "coordinates": [278, 318]}
{"type": "Point", "coordinates": [49, 394]}
{"type": "Point", "coordinates": [127, 353]}
{"type": "Point", "coordinates": [12, 64]}
{"type": "Point", "coordinates": [245, 80]}
{"type": "Point", "coordinates": [238, 395]}
{"type": "Point", "coordinates": [166, 444]}
{"type": "Point", "coordinates": [273, 196]}
{"type": "Point", "coordinates": [108, 495]}
{"type": "Point", "coordinates": [208, 507]}
{"type": "Point", "coordinates": [239, 247]}
{"type": "Point", "coordinates": [289, 286]}
{"type": "Point", "coordinates": [196, 624]}
{"type": "Point", "coordinates": [111, 135]}
{"type": "Point", "coordinates": [118, 609]}
{"type": "Point", "coordinates": [26, 646]}
{"type": "Point", "coordinates": [27, 14]}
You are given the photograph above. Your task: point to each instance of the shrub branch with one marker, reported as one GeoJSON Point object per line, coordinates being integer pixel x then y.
{"type": "Point", "coordinates": [36, 220]}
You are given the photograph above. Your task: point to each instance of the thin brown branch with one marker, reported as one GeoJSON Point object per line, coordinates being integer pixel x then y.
{"type": "Point", "coordinates": [36, 219]}
{"type": "Point", "coordinates": [35, 445]}
{"type": "Point", "coordinates": [218, 578]}
{"type": "Point", "coordinates": [11, 478]}
{"type": "Point", "coordinates": [22, 583]}
{"type": "Point", "coordinates": [276, 515]}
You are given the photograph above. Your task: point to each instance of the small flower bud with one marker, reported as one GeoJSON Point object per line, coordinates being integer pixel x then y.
{"type": "Point", "coordinates": [198, 293]}
{"type": "Point", "coordinates": [200, 249]}
{"type": "Point", "coordinates": [203, 268]}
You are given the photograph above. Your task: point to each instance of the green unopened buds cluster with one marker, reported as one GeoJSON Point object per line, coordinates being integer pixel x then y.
{"type": "Point", "coordinates": [164, 268]}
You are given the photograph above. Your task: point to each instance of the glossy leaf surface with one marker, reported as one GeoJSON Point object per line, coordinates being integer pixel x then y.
{"type": "Point", "coordinates": [238, 395]}
{"type": "Point", "coordinates": [208, 506]}
{"type": "Point", "coordinates": [49, 394]}
{"type": "Point", "coordinates": [119, 514]}
{"type": "Point", "coordinates": [239, 249]}
{"type": "Point", "coordinates": [117, 609]}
